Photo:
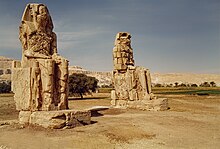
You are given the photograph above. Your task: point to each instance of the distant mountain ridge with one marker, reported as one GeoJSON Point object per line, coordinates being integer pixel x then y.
{"type": "Point", "coordinates": [105, 78]}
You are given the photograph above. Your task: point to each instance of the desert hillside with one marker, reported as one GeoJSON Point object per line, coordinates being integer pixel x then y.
{"type": "Point", "coordinates": [5, 68]}
{"type": "Point", "coordinates": [166, 78]}
{"type": "Point", "coordinates": [171, 78]}
{"type": "Point", "coordinates": [105, 78]}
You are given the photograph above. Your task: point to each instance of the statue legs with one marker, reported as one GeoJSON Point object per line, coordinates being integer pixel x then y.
{"type": "Point", "coordinates": [35, 80]}
{"type": "Point", "coordinates": [47, 75]}
{"type": "Point", "coordinates": [132, 85]}
{"type": "Point", "coordinates": [46, 82]}
{"type": "Point", "coordinates": [62, 83]}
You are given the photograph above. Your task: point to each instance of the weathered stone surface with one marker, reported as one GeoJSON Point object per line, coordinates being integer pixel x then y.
{"type": "Point", "coordinates": [24, 117]}
{"type": "Point", "coordinates": [40, 80]}
{"type": "Point", "coordinates": [8, 122]}
{"type": "Point", "coordinates": [132, 84]}
{"type": "Point", "coordinates": [122, 52]}
{"type": "Point", "coordinates": [21, 86]}
{"type": "Point", "coordinates": [159, 104]}
{"type": "Point", "coordinates": [56, 119]}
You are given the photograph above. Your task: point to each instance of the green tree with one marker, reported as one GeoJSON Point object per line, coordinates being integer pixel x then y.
{"type": "Point", "coordinates": [194, 85]}
{"type": "Point", "coordinates": [213, 84]}
{"type": "Point", "coordinates": [205, 84]}
{"type": "Point", "coordinates": [182, 85]}
{"type": "Point", "coordinates": [176, 84]}
{"type": "Point", "coordinates": [81, 84]}
{"type": "Point", "coordinates": [158, 85]}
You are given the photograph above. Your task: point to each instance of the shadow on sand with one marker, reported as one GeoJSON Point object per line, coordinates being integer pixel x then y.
{"type": "Point", "coordinates": [87, 98]}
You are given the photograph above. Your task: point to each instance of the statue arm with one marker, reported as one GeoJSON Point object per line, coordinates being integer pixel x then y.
{"type": "Point", "coordinates": [54, 52]}
{"type": "Point", "coordinates": [32, 54]}
{"type": "Point", "coordinates": [54, 44]}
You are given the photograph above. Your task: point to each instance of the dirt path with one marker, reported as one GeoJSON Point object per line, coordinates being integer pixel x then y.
{"type": "Point", "coordinates": [191, 122]}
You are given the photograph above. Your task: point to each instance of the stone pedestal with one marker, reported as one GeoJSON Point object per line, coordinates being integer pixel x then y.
{"type": "Point", "coordinates": [159, 104]}
{"type": "Point", "coordinates": [55, 119]}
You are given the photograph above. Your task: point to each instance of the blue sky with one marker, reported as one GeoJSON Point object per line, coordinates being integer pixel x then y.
{"type": "Point", "coordinates": [167, 35]}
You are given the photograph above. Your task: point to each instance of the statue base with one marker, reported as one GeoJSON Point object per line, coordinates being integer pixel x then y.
{"type": "Point", "coordinates": [55, 119]}
{"type": "Point", "coordinates": [158, 104]}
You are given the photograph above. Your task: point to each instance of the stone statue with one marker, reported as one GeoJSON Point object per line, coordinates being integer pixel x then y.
{"type": "Point", "coordinates": [122, 52]}
{"type": "Point", "coordinates": [132, 84]}
{"type": "Point", "coordinates": [40, 79]}
{"type": "Point", "coordinates": [43, 72]}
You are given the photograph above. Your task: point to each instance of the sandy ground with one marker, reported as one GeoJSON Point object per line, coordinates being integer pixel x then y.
{"type": "Point", "coordinates": [192, 122]}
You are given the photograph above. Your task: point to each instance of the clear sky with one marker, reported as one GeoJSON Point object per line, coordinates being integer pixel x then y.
{"type": "Point", "coordinates": [167, 35]}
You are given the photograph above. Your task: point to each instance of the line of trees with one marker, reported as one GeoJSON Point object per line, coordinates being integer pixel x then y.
{"type": "Point", "coordinates": [176, 84]}
{"type": "Point", "coordinates": [208, 84]}
{"type": "Point", "coordinates": [81, 84]}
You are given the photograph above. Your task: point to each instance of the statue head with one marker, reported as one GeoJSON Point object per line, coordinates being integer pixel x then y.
{"type": "Point", "coordinates": [122, 52]}
{"type": "Point", "coordinates": [31, 16]}
{"type": "Point", "coordinates": [36, 32]}
{"type": "Point", "coordinates": [123, 38]}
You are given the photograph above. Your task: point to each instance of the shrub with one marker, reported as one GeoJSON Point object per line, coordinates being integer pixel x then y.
{"type": "Point", "coordinates": [194, 85]}
{"type": "Point", "coordinates": [5, 87]}
{"type": "Point", "coordinates": [176, 84]}
{"type": "Point", "coordinates": [213, 84]}
{"type": "Point", "coordinates": [205, 84]}
{"type": "Point", "coordinates": [182, 85]}
{"type": "Point", "coordinates": [158, 85]}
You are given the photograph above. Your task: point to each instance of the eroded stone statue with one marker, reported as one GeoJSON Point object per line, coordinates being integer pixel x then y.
{"type": "Point", "coordinates": [40, 80]}
{"type": "Point", "coordinates": [132, 84]}
{"type": "Point", "coordinates": [122, 52]}
{"type": "Point", "coordinates": [42, 71]}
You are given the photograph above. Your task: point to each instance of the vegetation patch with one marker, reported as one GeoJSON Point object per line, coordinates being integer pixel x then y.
{"type": "Point", "coordinates": [81, 84]}
{"type": "Point", "coordinates": [105, 90]}
{"type": "Point", "coordinates": [187, 90]}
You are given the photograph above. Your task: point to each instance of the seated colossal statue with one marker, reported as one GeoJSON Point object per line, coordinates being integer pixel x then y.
{"type": "Point", "coordinates": [132, 84]}
{"type": "Point", "coordinates": [40, 80]}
